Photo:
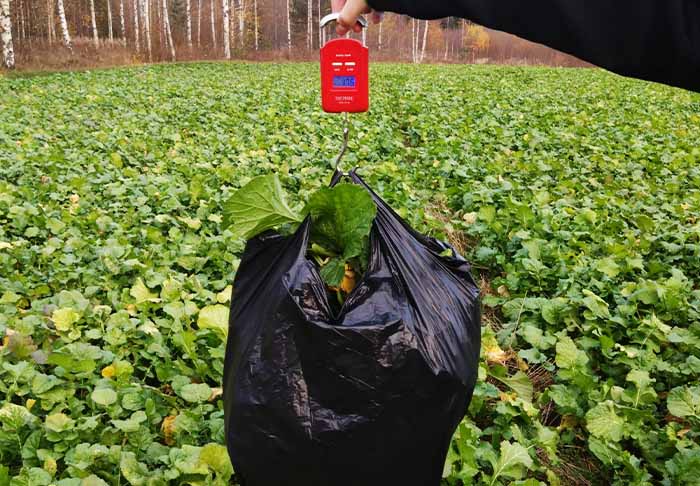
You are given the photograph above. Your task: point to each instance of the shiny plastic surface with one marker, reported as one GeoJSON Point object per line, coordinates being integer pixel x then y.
{"type": "Point", "coordinates": [370, 397]}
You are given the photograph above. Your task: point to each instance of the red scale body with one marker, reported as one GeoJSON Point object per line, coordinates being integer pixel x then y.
{"type": "Point", "coordinates": [344, 76]}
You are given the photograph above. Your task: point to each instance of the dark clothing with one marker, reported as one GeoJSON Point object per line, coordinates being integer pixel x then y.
{"type": "Point", "coordinates": [655, 40]}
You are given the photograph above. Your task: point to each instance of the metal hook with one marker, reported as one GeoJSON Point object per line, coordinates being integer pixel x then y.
{"type": "Point", "coordinates": [346, 136]}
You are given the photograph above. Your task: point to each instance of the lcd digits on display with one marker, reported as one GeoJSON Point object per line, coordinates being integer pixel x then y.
{"type": "Point", "coordinates": [343, 81]}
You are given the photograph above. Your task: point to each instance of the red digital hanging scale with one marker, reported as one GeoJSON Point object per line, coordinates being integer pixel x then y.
{"type": "Point", "coordinates": [344, 73]}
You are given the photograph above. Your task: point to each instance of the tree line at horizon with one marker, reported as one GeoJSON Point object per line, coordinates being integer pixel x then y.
{"type": "Point", "coordinates": [169, 30]}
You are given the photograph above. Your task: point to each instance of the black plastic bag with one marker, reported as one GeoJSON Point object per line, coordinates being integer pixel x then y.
{"type": "Point", "coordinates": [370, 397]}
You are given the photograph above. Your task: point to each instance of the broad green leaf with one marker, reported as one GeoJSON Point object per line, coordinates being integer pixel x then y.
{"type": "Point", "coordinates": [332, 272]}
{"type": "Point", "coordinates": [520, 383]}
{"type": "Point", "coordinates": [195, 392]}
{"type": "Point", "coordinates": [684, 401]}
{"type": "Point", "coordinates": [602, 421]}
{"type": "Point", "coordinates": [512, 462]}
{"type": "Point", "coordinates": [596, 305]}
{"type": "Point", "coordinates": [104, 396]}
{"type": "Point", "coordinates": [569, 355]}
{"type": "Point", "coordinates": [342, 217]}
{"type": "Point", "coordinates": [258, 206]}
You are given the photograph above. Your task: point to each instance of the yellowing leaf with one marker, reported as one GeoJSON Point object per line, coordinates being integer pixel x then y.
{"type": "Point", "coordinates": [64, 318]}
{"type": "Point", "coordinates": [141, 293]}
{"type": "Point", "coordinates": [214, 317]}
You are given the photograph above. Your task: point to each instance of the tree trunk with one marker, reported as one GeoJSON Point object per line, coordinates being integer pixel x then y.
{"type": "Point", "coordinates": [213, 28]}
{"type": "Point", "coordinates": [168, 32]}
{"type": "Point", "coordinates": [320, 33]}
{"type": "Point", "coordinates": [137, 27]}
{"type": "Point", "coordinates": [232, 23]}
{"type": "Point", "coordinates": [199, 23]}
{"type": "Point", "coordinates": [109, 21]}
{"type": "Point", "coordinates": [255, 13]}
{"type": "Point", "coordinates": [379, 40]}
{"type": "Point", "coordinates": [225, 24]}
{"type": "Point", "coordinates": [189, 24]}
{"type": "Point", "coordinates": [241, 21]}
{"type": "Point", "coordinates": [425, 40]}
{"type": "Point", "coordinates": [413, 40]}
{"type": "Point", "coordinates": [289, 28]}
{"type": "Point", "coordinates": [50, 32]}
{"type": "Point", "coordinates": [64, 26]}
{"type": "Point", "coordinates": [122, 21]}
{"type": "Point", "coordinates": [309, 24]}
{"type": "Point", "coordinates": [147, 27]}
{"type": "Point", "coordinates": [8, 51]}
{"type": "Point", "coordinates": [95, 38]}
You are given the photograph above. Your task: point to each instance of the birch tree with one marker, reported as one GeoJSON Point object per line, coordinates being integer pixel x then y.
{"type": "Point", "coordinates": [189, 23]}
{"type": "Point", "coordinates": [122, 21]}
{"type": "Point", "coordinates": [255, 13]}
{"type": "Point", "coordinates": [225, 22]}
{"type": "Point", "coordinates": [8, 51]}
{"type": "Point", "coordinates": [64, 26]}
{"type": "Point", "coordinates": [168, 33]}
{"type": "Point", "coordinates": [95, 38]}
{"type": "Point", "coordinates": [146, 11]}
{"type": "Point", "coordinates": [425, 40]}
{"type": "Point", "coordinates": [289, 27]}
{"type": "Point", "coordinates": [137, 27]}
{"type": "Point", "coordinates": [213, 27]}
{"type": "Point", "coordinates": [379, 40]}
{"type": "Point", "coordinates": [110, 32]}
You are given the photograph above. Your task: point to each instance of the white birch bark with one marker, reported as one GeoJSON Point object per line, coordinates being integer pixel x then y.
{"type": "Point", "coordinates": [413, 40]}
{"type": "Point", "coordinates": [95, 38]}
{"type": "Point", "coordinates": [110, 31]}
{"type": "Point", "coordinates": [225, 25]}
{"type": "Point", "coordinates": [255, 13]}
{"type": "Point", "coordinates": [147, 28]}
{"type": "Point", "coordinates": [213, 25]}
{"type": "Point", "coordinates": [199, 23]}
{"type": "Point", "coordinates": [379, 41]}
{"type": "Point", "coordinates": [189, 24]}
{"type": "Point", "coordinates": [122, 21]}
{"type": "Point", "coordinates": [320, 33]}
{"type": "Point", "coordinates": [137, 27]}
{"type": "Point", "coordinates": [8, 51]}
{"type": "Point", "coordinates": [64, 26]}
{"type": "Point", "coordinates": [425, 40]}
{"type": "Point", "coordinates": [168, 32]}
{"type": "Point", "coordinates": [289, 28]}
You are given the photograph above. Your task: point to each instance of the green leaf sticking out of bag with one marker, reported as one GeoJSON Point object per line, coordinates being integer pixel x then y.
{"type": "Point", "coordinates": [258, 206]}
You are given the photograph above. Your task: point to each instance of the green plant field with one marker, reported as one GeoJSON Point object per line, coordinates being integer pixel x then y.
{"type": "Point", "coordinates": [575, 193]}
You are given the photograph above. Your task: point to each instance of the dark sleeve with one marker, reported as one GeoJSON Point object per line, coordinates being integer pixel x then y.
{"type": "Point", "coordinates": [656, 40]}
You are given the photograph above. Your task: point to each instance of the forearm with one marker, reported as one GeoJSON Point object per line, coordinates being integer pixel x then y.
{"type": "Point", "coordinates": [657, 40]}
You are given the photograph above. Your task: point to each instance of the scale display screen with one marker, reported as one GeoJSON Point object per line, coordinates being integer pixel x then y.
{"type": "Point", "coordinates": [344, 81]}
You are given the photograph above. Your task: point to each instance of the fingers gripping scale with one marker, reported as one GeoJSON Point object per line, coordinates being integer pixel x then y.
{"type": "Point", "coordinates": [344, 72]}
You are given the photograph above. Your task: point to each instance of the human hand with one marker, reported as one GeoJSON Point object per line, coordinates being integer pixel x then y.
{"type": "Point", "coordinates": [350, 10]}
